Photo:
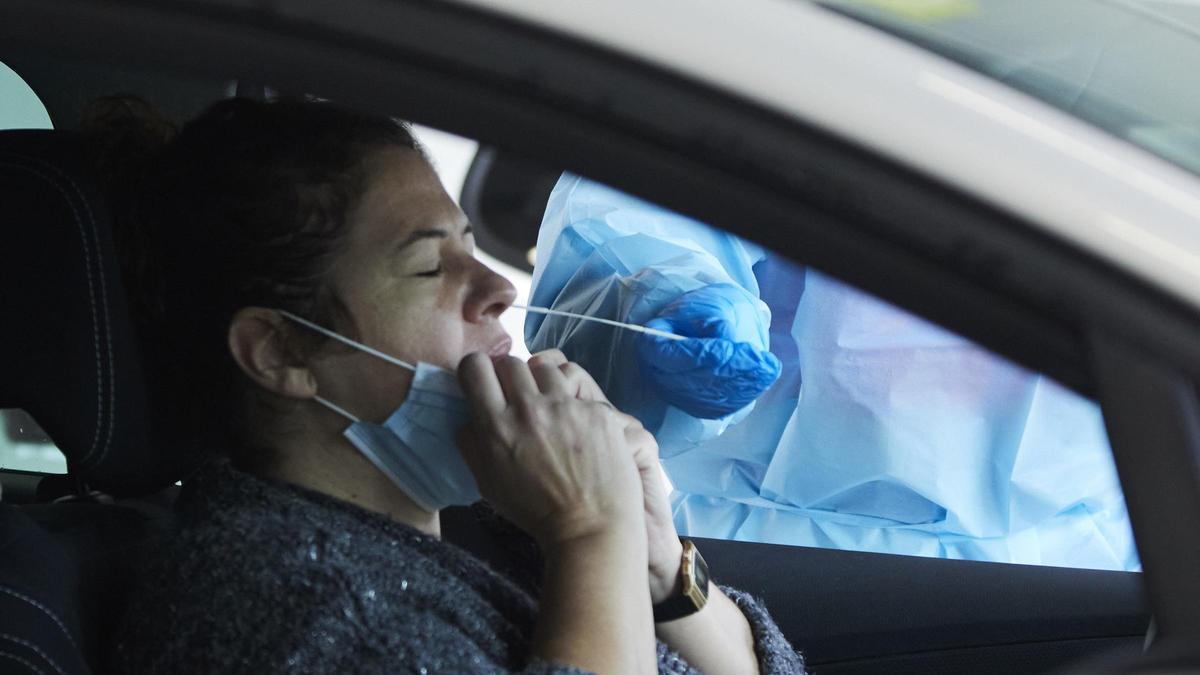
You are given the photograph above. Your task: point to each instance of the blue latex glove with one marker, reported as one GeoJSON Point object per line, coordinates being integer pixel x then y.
{"type": "Point", "coordinates": [722, 366]}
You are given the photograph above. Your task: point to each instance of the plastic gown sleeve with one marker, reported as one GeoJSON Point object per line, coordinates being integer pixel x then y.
{"type": "Point", "coordinates": [911, 439]}
{"type": "Point", "coordinates": [610, 255]}
{"type": "Point", "coordinates": [906, 438]}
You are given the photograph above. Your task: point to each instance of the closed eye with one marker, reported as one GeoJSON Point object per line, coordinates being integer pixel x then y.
{"type": "Point", "coordinates": [431, 273]}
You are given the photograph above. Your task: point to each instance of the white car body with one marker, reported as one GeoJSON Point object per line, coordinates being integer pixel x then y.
{"type": "Point", "coordinates": [1107, 196]}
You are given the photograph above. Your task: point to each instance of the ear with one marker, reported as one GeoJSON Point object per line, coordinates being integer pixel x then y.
{"type": "Point", "coordinates": [256, 341]}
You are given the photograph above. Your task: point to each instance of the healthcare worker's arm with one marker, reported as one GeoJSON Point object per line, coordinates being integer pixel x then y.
{"type": "Point", "coordinates": [606, 254]}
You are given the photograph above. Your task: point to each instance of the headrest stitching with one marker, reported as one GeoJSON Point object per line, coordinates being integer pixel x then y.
{"type": "Point", "coordinates": [100, 410]}
{"type": "Point", "coordinates": [107, 320]}
{"type": "Point", "coordinates": [38, 650]}
{"type": "Point", "coordinates": [45, 610]}
{"type": "Point", "coordinates": [24, 662]}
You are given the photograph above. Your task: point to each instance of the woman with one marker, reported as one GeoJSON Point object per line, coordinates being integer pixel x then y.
{"type": "Point", "coordinates": [291, 247]}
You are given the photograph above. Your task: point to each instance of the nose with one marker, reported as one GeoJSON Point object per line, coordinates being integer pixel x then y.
{"type": "Point", "coordinates": [489, 296]}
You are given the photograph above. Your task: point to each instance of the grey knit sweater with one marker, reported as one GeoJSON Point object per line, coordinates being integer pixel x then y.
{"type": "Point", "coordinates": [267, 577]}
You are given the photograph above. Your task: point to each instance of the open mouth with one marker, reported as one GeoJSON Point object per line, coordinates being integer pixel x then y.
{"type": "Point", "coordinates": [501, 348]}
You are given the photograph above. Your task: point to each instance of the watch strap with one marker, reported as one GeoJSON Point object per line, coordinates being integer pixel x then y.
{"type": "Point", "coordinates": [693, 592]}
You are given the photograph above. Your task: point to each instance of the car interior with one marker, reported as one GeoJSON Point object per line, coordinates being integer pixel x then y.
{"type": "Point", "coordinates": [69, 358]}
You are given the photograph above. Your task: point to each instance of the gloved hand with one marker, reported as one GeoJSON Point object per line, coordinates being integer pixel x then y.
{"type": "Point", "coordinates": [723, 364]}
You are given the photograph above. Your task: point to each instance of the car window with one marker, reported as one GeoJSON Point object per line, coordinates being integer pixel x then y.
{"type": "Point", "coordinates": [24, 446]}
{"type": "Point", "coordinates": [801, 411]}
{"type": "Point", "coordinates": [20, 107]}
{"type": "Point", "coordinates": [1122, 66]}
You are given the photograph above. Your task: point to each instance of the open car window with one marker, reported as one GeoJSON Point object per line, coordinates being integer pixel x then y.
{"type": "Point", "coordinates": [25, 447]}
{"type": "Point", "coordinates": [801, 411]}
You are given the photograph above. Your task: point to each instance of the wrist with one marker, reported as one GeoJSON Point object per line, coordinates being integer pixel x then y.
{"type": "Point", "coordinates": [691, 595]}
{"type": "Point", "coordinates": [614, 535]}
{"type": "Point", "coordinates": [666, 572]}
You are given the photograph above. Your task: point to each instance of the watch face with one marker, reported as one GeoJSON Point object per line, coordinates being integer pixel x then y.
{"type": "Point", "coordinates": [695, 576]}
{"type": "Point", "coordinates": [701, 572]}
{"type": "Point", "coordinates": [695, 588]}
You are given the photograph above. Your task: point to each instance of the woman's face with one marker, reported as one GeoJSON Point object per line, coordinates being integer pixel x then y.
{"type": "Point", "coordinates": [409, 278]}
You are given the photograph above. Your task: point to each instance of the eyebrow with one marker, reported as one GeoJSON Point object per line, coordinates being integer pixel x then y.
{"type": "Point", "coordinates": [419, 235]}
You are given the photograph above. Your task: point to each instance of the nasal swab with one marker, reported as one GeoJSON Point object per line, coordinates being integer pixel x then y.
{"type": "Point", "coordinates": [609, 322]}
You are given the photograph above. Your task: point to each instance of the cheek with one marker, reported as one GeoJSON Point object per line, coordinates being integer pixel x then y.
{"type": "Point", "coordinates": [437, 339]}
{"type": "Point", "coordinates": [421, 332]}
{"type": "Point", "coordinates": [420, 321]}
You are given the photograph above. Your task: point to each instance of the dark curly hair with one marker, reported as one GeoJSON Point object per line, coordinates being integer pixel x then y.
{"type": "Point", "coordinates": [246, 205]}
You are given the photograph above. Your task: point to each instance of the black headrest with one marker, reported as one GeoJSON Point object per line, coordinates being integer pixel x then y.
{"type": "Point", "coordinates": [67, 350]}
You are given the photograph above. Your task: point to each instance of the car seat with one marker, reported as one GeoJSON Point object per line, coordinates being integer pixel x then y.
{"type": "Point", "coordinates": [68, 357]}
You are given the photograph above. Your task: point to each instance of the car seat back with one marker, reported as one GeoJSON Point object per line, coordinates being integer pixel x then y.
{"type": "Point", "coordinates": [67, 352]}
{"type": "Point", "coordinates": [39, 624]}
{"type": "Point", "coordinates": [68, 357]}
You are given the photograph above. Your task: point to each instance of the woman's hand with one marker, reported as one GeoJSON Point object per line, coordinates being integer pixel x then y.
{"type": "Point", "coordinates": [664, 552]}
{"type": "Point", "coordinates": [664, 549]}
{"type": "Point", "coordinates": [563, 468]}
{"type": "Point", "coordinates": [558, 465]}
{"type": "Point", "coordinates": [579, 381]}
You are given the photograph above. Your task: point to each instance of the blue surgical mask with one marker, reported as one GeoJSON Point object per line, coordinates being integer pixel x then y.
{"type": "Point", "coordinates": [415, 447]}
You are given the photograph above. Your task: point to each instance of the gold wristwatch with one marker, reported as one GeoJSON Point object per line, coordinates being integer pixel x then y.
{"type": "Point", "coordinates": [693, 593]}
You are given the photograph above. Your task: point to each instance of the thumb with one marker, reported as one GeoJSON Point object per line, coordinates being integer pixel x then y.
{"type": "Point", "coordinates": [675, 356]}
{"type": "Point", "coordinates": [645, 448]}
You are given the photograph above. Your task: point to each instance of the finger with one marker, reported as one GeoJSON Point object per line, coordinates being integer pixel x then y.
{"type": "Point", "coordinates": [480, 384]}
{"type": "Point", "coordinates": [629, 421]}
{"type": "Point", "coordinates": [638, 434]}
{"type": "Point", "coordinates": [707, 327]}
{"type": "Point", "coordinates": [553, 357]}
{"type": "Point", "coordinates": [583, 386]}
{"type": "Point", "coordinates": [515, 379]}
{"type": "Point", "coordinates": [551, 381]}
{"type": "Point", "coordinates": [663, 325]}
{"type": "Point", "coordinates": [644, 447]}
{"type": "Point", "coordinates": [674, 356]}
{"type": "Point", "coordinates": [563, 383]}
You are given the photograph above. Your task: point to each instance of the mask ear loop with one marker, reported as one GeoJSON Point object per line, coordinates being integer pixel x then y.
{"type": "Point", "coordinates": [337, 409]}
{"type": "Point", "coordinates": [345, 340]}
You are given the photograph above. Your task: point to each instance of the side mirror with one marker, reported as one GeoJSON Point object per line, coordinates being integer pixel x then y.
{"type": "Point", "coordinates": [505, 198]}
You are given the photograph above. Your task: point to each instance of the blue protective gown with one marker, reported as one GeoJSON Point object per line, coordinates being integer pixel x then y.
{"type": "Point", "coordinates": [882, 433]}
